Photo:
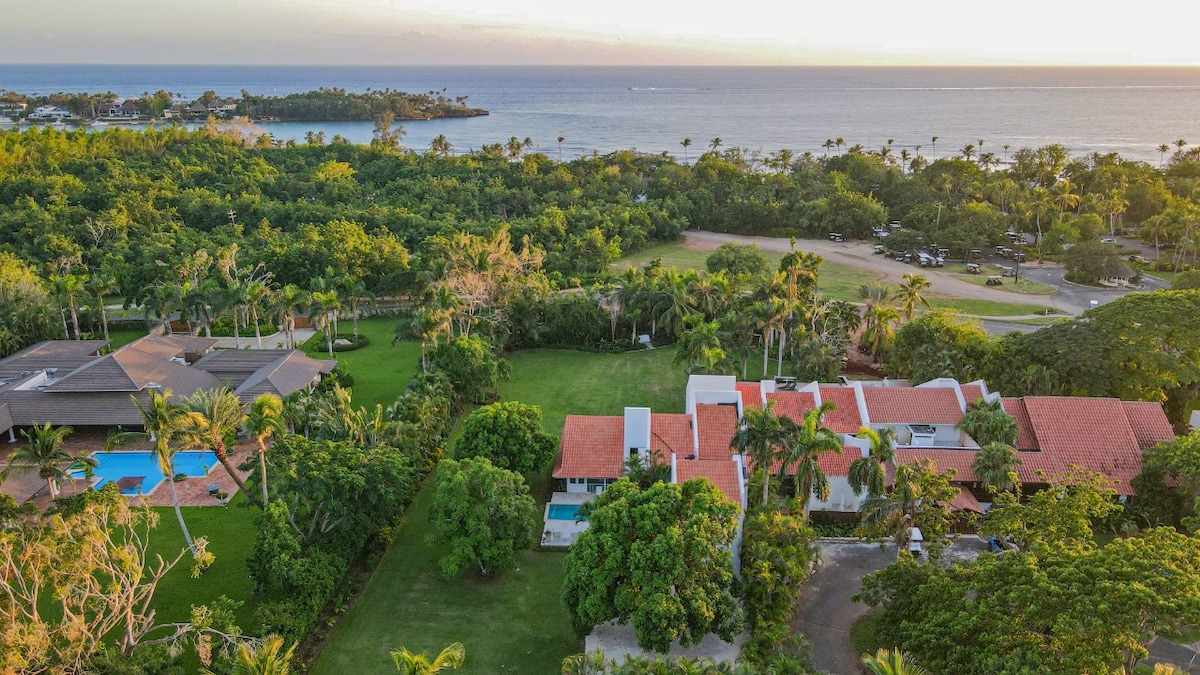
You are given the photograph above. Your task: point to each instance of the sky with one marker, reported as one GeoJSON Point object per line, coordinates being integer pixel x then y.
{"type": "Point", "coordinates": [614, 32]}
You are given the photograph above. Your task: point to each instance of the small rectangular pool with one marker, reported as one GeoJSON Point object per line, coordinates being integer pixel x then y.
{"type": "Point", "coordinates": [137, 472]}
{"type": "Point", "coordinates": [564, 512]}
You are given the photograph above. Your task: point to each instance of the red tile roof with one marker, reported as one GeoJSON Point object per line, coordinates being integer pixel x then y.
{"type": "Point", "coordinates": [834, 464]}
{"type": "Point", "coordinates": [909, 405]}
{"type": "Point", "coordinates": [717, 425]}
{"type": "Point", "coordinates": [844, 418]}
{"type": "Point", "coordinates": [670, 432]}
{"type": "Point", "coordinates": [592, 446]}
{"type": "Point", "coordinates": [1026, 440]}
{"type": "Point", "coordinates": [722, 473]}
{"type": "Point", "coordinates": [793, 404]}
{"type": "Point", "coordinates": [944, 460]}
{"type": "Point", "coordinates": [751, 394]}
{"type": "Point", "coordinates": [1092, 433]}
{"type": "Point", "coordinates": [1149, 423]}
{"type": "Point", "coordinates": [965, 501]}
{"type": "Point", "coordinates": [971, 393]}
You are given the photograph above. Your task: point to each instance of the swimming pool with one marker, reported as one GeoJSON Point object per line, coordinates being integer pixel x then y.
{"type": "Point", "coordinates": [113, 466]}
{"type": "Point", "coordinates": [564, 512]}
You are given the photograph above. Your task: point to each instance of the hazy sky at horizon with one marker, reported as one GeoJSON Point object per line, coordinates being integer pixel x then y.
{"type": "Point", "coordinates": [617, 32]}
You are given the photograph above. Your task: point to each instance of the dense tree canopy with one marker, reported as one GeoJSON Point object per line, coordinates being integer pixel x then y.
{"type": "Point", "coordinates": [657, 558]}
{"type": "Point", "coordinates": [509, 434]}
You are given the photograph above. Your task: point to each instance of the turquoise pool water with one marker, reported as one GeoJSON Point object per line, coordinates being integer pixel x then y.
{"type": "Point", "coordinates": [130, 464]}
{"type": "Point", "coordinates": [564, 512]}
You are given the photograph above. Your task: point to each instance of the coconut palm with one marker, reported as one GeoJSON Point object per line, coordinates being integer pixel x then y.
{"type": "Point", "coordinates": [995, 466]}
{"type": "Point", "coordinates": [163, 423]}
{"type": "Point", "coordinates": [760, 436]}
{"type": "Point", "coordinates": [988, 422]}
{"type": "Point", "coordinates": [806, 441]}
{"type": "Point", "coordinates": [870, 472]}
{"type": "Point", "coordinates": [98, 286]}
{"type": "Point", "coordinates": [355, 292]}
{"type": "Point", "coordinates": [715, 143]}
{"type": "Point", "coordinates": [286, 302]}
{"type": "Point", "coordinates": [891, 662]}
{"type": "Point", "coordinates": [879, 328]}
{"type": "Point", "coordinates": [1162, 153]}
{"type": "Point", "coordinates": [450, 658]}
{"type": "Point", "coordinates": [268, 657]}
{"type": "Point", "coordinates": [216, 414]}
{"type": "Point", "coordinates": [686, 143]}
{"type": "Point", "coordinates": [323, 313]}
{"type": "Point", "coordinates": [264, 420]}
{"type": "Point", "coordinates": [911, 293]}
{"type": "Point", "coordinates": [257, 294]}
{"type": "Point", "coordinates": [933, 142]}
{"type": "Point", "coordinates": [68, 289]}
{"type": "Point", "coordinates": [560, 142]}
{"type": "Point", "coordinates": [44, 453]}
{"type": "Point", "coordinates": [698, 344]}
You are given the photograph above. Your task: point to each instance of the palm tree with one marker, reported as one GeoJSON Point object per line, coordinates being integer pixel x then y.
{"type": "Point", "coordinates": [715, 143]}
{"type": "Point", "coordinates": [968, 151]}
{"type": "Point", "coordinates": [264, 420]}
{"type": "Point", "coordinates": [98, 286]}
{"type": "Point", "coordinates": [933, 142]}
{"type": "Point", "coordinates": [1162, 153]}
{"type": "Point", "coordinates": [870, 472]}
{"type": "Point", "coordinates": [216, 414]}
{"type": "Point", "coordinates": [234, 298]}
{"type": "Point", "coordinates": [911, 293]}
{"type": "Point", "coordinates": [839, 142]}
{"type": "Point", "coordinates": [759, 436]}
{"type": "Point", "coordinates": [698, 344]}
{"type": "Point", "coordinates": [995, 466]}
{"type": "Point", "coordinates": [267, 658]}
{"type": "Point", "coordinates": [287, 301]}
{"type": "Point", "coordinates": [560, 142]}
{"type": "Point", "coordinates": [257, 292]}
{"type": "Point", "coordinates": [45, 454]}
{"type": "Point", "coordinates": [68, 288]}
{"type": "Point", "coordinates": [440, 145]}
{"type": "Point", "coordinates": [827, 145]}
{"type": "Point", "coordinates": [891, 662]}
{"type": "Point", "coordinates": [806, 442]}
{"type": "Point", "coordinates": [325, 305]}
{"type": "Point", "coordinates": [450, 658]}
{"type": "Point", "coordinates": [988, 422]}
{"type": "Point", "coordinates": [1179, 144]}
{"type": "Point", "coordinates": [686, 143]}
{"type": "Point", "coordinates": [163, 423]}
{"type": "Point", "coordinates": [879, 318]}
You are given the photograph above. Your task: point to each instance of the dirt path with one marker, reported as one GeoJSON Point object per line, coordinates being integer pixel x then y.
{"type": "Point", "coordinates": [861, 255]}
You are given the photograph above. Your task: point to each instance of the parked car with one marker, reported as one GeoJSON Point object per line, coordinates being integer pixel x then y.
{"type": "Point", "coordinates": [1108, 240]}
{"type": "Point", "coordinates": [972, 268]}
{"type": "Point", "coordinates": [1137, 259]}
{"type": "Point", "coordinates": [836, 236]}
{"type": "Point", "coordinates": [995, 281]}
{"type": "Point", "coordinates": [879, 249]}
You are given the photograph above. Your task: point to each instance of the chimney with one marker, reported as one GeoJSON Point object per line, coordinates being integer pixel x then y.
{"type": "Point", "coordinates": [637, 433]}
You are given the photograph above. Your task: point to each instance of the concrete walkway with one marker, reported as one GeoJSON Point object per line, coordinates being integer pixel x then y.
{"type": "Point", "coordinates": [272, 341]}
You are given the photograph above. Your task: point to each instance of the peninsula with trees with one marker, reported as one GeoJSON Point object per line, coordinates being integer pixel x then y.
{"type": "Point", "coordinates": [320, 105]}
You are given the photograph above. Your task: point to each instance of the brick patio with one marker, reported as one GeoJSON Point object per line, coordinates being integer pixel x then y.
{"type": "Point", "coordinates": [192, 491]}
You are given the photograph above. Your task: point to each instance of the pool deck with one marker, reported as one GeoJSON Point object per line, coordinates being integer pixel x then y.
{"type": "Point", "coordinates": [563, 533]}
{"type": "Point", "coordinates": [192, 491]}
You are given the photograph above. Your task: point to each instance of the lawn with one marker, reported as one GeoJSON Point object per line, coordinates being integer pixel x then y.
{"type": "Point", "coordinates": [381, 370]}
{"type": "Point", "coordinates": [512, 624]}
{"type": "Point", "coordinates": [989, 307]}
{"type": "Point", "coordinates": [583, 383]}
{"type": "Point", "coordinates": [120, 338]}
{"type": "Point", "coordinates": [836, 280]}
{"type": "Point", "coordinates": [230, 532]}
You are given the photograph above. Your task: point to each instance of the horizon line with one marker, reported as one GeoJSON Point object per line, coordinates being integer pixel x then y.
{"type": "Point", "coordinates": [830, 66]}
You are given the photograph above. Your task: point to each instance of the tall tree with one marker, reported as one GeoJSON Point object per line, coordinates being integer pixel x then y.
{"type": "Point", "coordinates": [761, 436]}
{"type": "Point", "coordinates": [870, 472]}
{"type": "Point", "coordinates": [164, 423]}
{"type": "Point", "coordinates": [669, 575]}
{"type": "Point", "coordinates": [216, 415]}
{"type": "Point", "coordinates": [911, 293]}
{"type": "Point", "coordinates": [485, 513]}
{"type": "Point", "coordinates": [264, 420]}
{"type": "Point", "coordinates": [995, 466]}
{"type": "Point", "coordinates": [44, 453]}
{"type": "Point", "coordinates": [804, 444]}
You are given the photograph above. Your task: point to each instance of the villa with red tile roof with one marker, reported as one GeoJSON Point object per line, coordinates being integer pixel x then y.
{"type": "Point", "coordinates": [1103, 435]}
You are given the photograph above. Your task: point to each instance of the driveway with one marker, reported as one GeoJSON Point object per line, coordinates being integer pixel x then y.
{"type": "Point", "coordinates": [826, 610]}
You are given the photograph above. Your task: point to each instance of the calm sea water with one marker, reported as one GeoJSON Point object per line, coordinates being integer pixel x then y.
{"type": "Point", "coordinates": [1127, 110]}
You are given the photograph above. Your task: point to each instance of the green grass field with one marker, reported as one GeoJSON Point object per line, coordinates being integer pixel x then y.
{"type": "Point", "coordinates": [989, 307]}
{"type": "Point", "coordinates": [230, 533]}
{"type": "Point", "coordinates": [120, 338]}
{"type": "Point", "coordinates": [511, 624]}
{"type": "Point", "coordinates": [514, 623]}
{"type": "Point", "coordinates": [380, 370]}
{"type": "Point", "coordinates": [566, 382]}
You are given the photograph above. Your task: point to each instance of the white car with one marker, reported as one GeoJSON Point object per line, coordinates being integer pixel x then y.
{"type": "Point", "coordinates": [1108, 240]}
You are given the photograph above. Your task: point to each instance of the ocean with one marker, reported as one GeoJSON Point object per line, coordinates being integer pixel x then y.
{"type": "Point", "coordinates": [653, 109]}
